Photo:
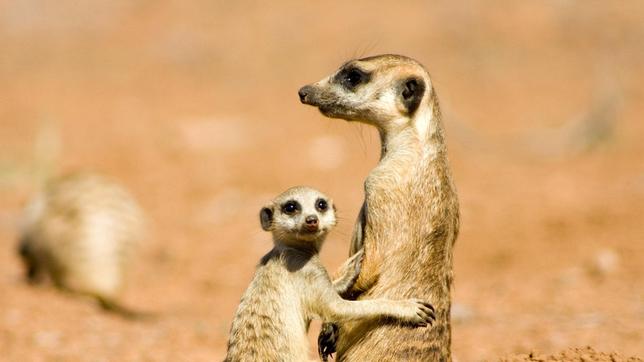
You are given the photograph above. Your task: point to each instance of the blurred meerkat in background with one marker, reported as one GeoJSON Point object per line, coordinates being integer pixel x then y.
{"type": "Point", "coordinates": [81, 232]}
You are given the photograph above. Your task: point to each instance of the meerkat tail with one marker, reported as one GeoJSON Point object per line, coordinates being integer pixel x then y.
{"type": "Point", "coordinates": [124, 311]}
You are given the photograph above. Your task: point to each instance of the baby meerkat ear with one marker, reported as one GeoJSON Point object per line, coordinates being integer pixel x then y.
{"type": "Point", "coordinates": [266, 218]}
{"type": "Point", "coordinates": [412, 91]}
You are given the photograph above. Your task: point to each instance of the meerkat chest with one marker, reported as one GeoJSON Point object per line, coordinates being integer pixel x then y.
{"type": "Point", "coordinates": [388, 186]}
{"type": "Point", "coordinates": [269, 322]}
{"type": "Point", "coordinates": [394, 171]}
{"type": "Point", "coordinates": [394, 205]}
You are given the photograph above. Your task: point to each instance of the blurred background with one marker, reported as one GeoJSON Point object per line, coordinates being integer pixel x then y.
{"type": "Point", "coordinates": [192, 105]}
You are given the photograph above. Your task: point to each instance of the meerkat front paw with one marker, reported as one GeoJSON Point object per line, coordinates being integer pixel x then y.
{"type": "Point", "coordinates": [356, 260]}
{"type": "Point", "coordinates": [354, 264]}
{"type": "Point", "coordinates": [327, 340]}
{"type": "Point", "coordinates": [417, 313]}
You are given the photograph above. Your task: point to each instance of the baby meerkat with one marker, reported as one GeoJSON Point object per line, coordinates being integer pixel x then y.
{"type": "Point", "coordinates": [81, 232]}
{"type": "Point", "coordinates": [409, 220]}
{"type": "Point", "coordinates": [291, 287]}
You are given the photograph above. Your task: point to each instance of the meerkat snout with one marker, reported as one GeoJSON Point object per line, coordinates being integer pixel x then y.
{"type": "Point", "coordinates": [303, 93]}
{"type": "Point", "coordinates": [311, 223]}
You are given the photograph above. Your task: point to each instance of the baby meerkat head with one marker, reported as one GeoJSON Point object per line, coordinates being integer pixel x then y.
{"type": "Point", "coordinates": [300, 215]}
{"type": "Point", "coordinates": [378, 90]}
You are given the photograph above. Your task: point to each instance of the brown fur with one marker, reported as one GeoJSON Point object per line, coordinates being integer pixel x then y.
{"type": "Point", "coordinates": [81, 232]}
{"type": "Point", "coordinates": [410, 219]}
{"type": "Point", "coordinates": [291, 287]}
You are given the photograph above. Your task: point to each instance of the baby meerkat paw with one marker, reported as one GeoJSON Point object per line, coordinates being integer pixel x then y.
{"type": "Point", "coordinates": [419, 313]}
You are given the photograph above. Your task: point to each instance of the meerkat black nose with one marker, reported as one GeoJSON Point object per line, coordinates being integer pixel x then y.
{"type": "Point", "coordinates": [304, 93]}
{"type": "Point", "coordinates": [311, 220]}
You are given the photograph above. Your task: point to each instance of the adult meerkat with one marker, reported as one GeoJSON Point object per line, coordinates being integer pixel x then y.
{"type": "Point", "coordinates": [291, 287]}
{"type": "Point", "coordinates": [409, 220]}
{"type": "Point", "coordinates": [81, 232]}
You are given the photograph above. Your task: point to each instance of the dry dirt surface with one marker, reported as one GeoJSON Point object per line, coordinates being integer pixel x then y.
{"type": "Point", "coordinates": [572, 355]}
{"type": "Point", "coordinates": [193, 106]}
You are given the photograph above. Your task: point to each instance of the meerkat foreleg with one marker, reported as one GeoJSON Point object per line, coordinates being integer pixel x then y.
{"type": "Point", "coordinates": [357, 239]}
{"type": "Point", "coordinates": [348, 273]}
{"type": "Point", "coordinates": [332, 308]}
{"type": "Point", "coordinates": [371, 261]}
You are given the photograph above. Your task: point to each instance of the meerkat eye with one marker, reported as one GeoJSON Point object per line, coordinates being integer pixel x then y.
{"type": "Point", "coordinates": [321, 205]}
{"type": "Point", "coordinates": [352, 77]}
{"type": "Point", "coordinates": [290, 207]}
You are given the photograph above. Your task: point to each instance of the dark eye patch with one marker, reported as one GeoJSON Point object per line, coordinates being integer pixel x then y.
{"type": "Point", "coordinates": [321, 205]}
{"type": "Point", "coordinates": [291, 207]}
{"type": "Point", "coordinates": [351, 77]}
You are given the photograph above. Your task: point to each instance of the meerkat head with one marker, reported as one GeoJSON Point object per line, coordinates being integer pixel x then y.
{"type": "Point", "coordinates": [300, 216]}
{"type": "Point", "coordinates": [384, 90]}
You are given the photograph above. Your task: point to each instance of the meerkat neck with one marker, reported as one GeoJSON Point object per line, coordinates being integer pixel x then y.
{"type": "Point", "coordinates": [425, 134]}
{"type": "Point", "coordinates": [297, 247]}
{"type": "Point", "coordinates": [293, 257]}
{"type": "Point", "coordinates": [393, 140]}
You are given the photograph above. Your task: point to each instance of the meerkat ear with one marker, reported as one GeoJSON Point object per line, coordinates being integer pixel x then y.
{"type": "Point", "coordinates": [266, 218]}
{"type": "Point", "coordinates": [412, 93]}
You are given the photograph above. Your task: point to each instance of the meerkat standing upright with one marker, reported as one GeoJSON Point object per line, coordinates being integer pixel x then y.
{"type": "Point", "coordinates": [409, 221]}
{"type": "Point", "coordinates": [291, 286]}
{"type": "Point", "coordinates": [81, 231]}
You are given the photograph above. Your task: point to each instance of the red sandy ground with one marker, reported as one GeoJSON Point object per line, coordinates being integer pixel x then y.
{"type": "Point", "coordinates": [193, 106]}
{"type": "Point", "coordinates": [571, 355]}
